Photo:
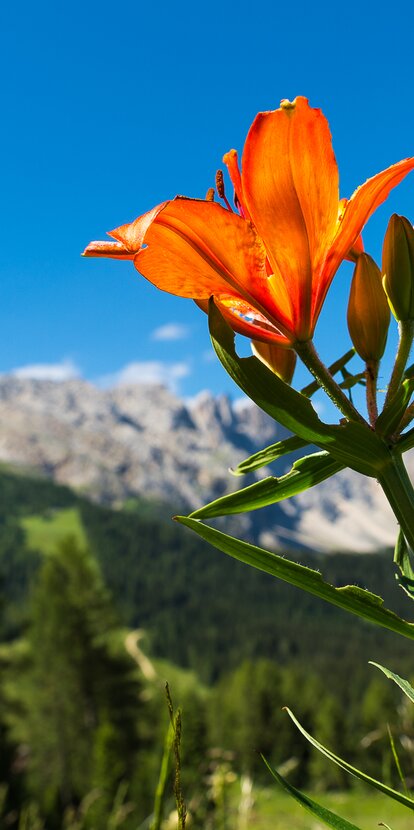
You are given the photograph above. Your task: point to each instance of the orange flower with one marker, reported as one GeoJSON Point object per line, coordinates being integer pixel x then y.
{"type": "Point", "coordinates": [270, 265]}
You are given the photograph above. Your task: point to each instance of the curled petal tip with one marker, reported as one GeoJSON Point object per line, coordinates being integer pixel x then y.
{"type": "Point", "coordinates": [106, 249]}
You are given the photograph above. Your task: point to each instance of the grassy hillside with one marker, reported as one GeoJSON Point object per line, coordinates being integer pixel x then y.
{"type": "Point", "coordinates": [201, 610]}
{"type": "Point", "coordinates": [234, 645]}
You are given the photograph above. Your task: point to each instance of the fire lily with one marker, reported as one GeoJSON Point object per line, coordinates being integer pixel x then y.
{"type": "Point", "coordinates": [269, 265]}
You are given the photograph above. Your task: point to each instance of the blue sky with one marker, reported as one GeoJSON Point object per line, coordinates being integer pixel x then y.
{"type": "Point", "coordinates": [109, 109]}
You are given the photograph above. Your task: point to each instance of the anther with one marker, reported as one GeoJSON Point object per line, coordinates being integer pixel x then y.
{"type": "Point", "coordinates": [220, 184]}
{"type": "Point", "coordinates": [210, 194]}
{"type": "Point", "coordinates": [220, 189]}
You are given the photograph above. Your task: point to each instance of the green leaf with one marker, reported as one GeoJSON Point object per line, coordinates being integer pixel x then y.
{"type": "Point", "coordinates": [349, 381]}
{"type": "Point", "coordinates": [278, 399]}
{"type": "Point", "coordinates": [409, 372]}
{"type": "Point", "coordinates": [352, 444]}
{"type": "Point", "coordinates": [402, 556]}
{"type": "Point", "coordinates": [406, 442]}
{"type": "Point", "coordinates": [402, 559]}
{"type": "Point", "coordinates": [403, 684]}
{"type": "Point", "coordinates": [264, 457]}
{"type": "Point", "coordinates": [305, 473]}
{"type": "Point", "coordinates": [397, 761]}
{"type": "Point", "coordinates": [321, 813]}
{"type": "Point", "coordinates": [378, 785]}
{"type": "Point", "coordinates": [350, 598]}
{"type": "Point", "coordinates": [391, 415]}
{"type": "Point", "coordinates": [275, 451]}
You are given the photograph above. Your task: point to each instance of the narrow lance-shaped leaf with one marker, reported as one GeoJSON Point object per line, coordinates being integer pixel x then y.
{"type": "Point", "coordinates": [402, 559]}
{"type": "Point", "coordinates": [351, 598]}
{"type": "Point", "coordinates": [390, 417]}
{"type": "Point", "coordinates": [305, 473]}
{"type": "Point", "coordinates": [352, 444]}
{"type": "Point", "coordinates": [321, 813]}
{"type": "Point", "coordinates": [403, 684]}
{"type": "Point", "coordinates": [406, 442]}
{"type": "Point", "coordinates": [349, 381]}
{"type": "Point", "coordinates": [409, 372]}
{"type": "Point", "coordinates": [378, 785]}
{"type": "Point", "coordinates": [397, 761]}
{"type": "Point", "coordinates": [283, 403]}
{"type": "Point", "coordinates": [271, 453]}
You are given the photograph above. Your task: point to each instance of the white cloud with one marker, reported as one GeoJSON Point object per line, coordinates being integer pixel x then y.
{"type": "Point", "coordinates": [66, 370]}
{"type": "Point", "coordinates": [151, 372]}
{"type": "Point", "coordinates": [171, 331]}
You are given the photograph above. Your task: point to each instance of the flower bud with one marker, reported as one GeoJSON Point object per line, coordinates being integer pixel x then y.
{"type": "Point", "coordinates": [368, 312]}
{"type": "Point", "coordinates": [398, 267]}
{"type": "Point", "coordinates": [280, 361]}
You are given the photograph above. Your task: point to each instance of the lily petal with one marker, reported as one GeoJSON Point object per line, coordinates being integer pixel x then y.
{"type": "Point", "coordinates": [113, 250]}
{"type": "Point", "coordinates": [246, 320]}
{"type": "Point", "coordinates": [132, 235]}
{"type": "Point", "coordinates": [362, 204]}
{"type": "Point", "coordinates": [290, 185]}
{"type": "Point", "coordinates": [198, 249]}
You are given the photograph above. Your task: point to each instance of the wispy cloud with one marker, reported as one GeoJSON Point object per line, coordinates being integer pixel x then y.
{"type": "Point", "coordinates": [151, 371]}
{"type": "Point", "coordinates": [65, 370]}
{"type": "Point", "coordinates": [171, 331]}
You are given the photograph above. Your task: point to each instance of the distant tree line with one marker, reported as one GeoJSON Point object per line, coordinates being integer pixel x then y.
{"type": "Point", "coordinates": [82, 729]}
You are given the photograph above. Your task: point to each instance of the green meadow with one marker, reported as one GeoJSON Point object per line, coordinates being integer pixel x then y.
{"type": "Point", "coordinates": [275, 811]}
{"type": "Point", "coordinates": [45, 532]}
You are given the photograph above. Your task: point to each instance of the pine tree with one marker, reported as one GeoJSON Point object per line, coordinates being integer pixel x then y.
{"type": "Point", "coordinates": [78, 690]}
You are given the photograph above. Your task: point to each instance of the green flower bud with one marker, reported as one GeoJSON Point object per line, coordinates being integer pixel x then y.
{"type": "Point", "coordinates": [368, 312]}
{"type": "Point", "coordinates": [398, 267]}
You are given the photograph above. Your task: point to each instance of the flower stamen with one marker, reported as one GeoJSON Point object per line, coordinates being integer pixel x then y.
{"type": "Point", "coordinates": [221, 191]}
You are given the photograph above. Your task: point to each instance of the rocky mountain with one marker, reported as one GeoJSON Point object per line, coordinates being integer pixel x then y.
{"type": "Point", "coordinates": [142, 441]}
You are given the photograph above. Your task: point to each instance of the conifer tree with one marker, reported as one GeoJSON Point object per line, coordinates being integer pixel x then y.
{"type": "Point", "coordinates": [78, 690]}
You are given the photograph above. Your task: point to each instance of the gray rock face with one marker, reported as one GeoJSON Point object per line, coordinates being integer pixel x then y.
{"type": "Point", "coordinates": [143, 441]}
{"type": "Point", "coordinates": [128, 441]}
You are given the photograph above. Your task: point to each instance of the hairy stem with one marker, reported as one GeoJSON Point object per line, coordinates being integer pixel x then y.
{"type": "Point", "coordinates": [371, 376]}
{"type": "Point", "coordinates": [308, 354]}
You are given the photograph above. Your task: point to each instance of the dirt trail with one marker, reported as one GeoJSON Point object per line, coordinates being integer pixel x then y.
{"type": "Point", "coordinates": [132, 641]}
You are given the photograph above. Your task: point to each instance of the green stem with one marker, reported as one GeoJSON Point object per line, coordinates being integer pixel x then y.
{"type": "Point", "coordinates": [406, 330]}
{"type": "Point", "coordinates": [308, 354]}
{"type": "Point", "coordinates": [371, 376]}
{"type": "Point", "coordinates": [399, 491]}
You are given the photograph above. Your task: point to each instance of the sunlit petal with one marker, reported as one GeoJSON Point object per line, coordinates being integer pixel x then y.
{"type": "Point", "coordinates": [246, 320]}
{"type": "Point", "coordinates": [113, 250]}
{"type": "Point", "coordinates": [198, 249]}
{"type": "Point", "coordinates": [362, 204]}
{"type": "Point", "coordinates": [132, 235]}
{"type": "Point", "coordinates": [290, 184]}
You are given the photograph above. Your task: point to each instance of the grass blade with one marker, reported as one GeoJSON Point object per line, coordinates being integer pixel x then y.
{"type": "Point", "coordinates": [321, 813]}
{"type": "Point", "coordinates": [378, 785]}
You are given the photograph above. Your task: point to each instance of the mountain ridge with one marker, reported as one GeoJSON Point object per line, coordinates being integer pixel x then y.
{"type": "Point", "coordinates": [127, 442]}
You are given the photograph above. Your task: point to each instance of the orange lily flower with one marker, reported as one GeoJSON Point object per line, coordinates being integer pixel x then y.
{"type": "Point", "coordinates": [269, 265]}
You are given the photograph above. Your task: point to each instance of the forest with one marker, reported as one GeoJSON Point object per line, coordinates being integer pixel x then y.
{"type": "Point", "coordinates": [101, 607]}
